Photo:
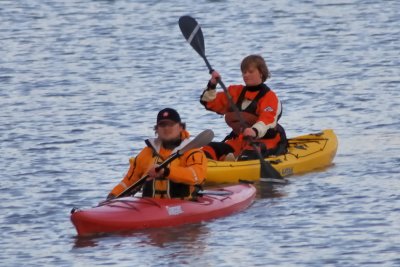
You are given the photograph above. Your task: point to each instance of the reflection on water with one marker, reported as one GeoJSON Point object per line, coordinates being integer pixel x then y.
{"type": "Point", "coordinates": [187, 235]}
{"type": "Point", "coordinates": [266, 190]}
{"type": "Point", "coordinates": [83, 242]}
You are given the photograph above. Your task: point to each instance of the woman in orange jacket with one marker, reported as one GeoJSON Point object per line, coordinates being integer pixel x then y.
{"type": "Point", "coordinates": [181, 178]}
{"type": "Point", "coordinates": [259, 108]}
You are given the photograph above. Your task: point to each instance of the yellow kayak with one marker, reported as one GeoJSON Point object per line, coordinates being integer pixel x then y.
{"type": "Point", "coordinates": [305, 153]}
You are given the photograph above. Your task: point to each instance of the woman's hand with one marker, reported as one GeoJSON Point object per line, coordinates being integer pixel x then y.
{"type": "Point", "coordinates": [215, 76]}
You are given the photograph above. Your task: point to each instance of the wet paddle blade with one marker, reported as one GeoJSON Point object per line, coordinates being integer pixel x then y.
{"type": "Point", "coordinates": [267, 171]}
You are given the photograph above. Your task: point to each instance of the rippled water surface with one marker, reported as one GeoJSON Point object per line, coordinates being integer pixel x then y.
{"type": "Point", "coordinates": [81, 84]}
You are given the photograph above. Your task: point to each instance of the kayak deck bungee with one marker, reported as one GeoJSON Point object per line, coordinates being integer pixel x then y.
{"type": "Point", "coordinates": [133, 213]}
{"type": "Point", "coordinates": [305, 153]}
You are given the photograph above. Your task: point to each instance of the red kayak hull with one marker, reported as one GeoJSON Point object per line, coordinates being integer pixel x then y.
{"type": "Point", "coordinates": [133, 213]}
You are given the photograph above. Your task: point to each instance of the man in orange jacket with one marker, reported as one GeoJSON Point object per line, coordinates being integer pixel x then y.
{"type": "Point", "coordinates": [182, 176]}
{"type": "Point", "coordinates": [258, 105]}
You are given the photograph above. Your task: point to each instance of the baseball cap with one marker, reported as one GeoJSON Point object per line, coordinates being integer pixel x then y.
{"type": "Point", "coordinates": [168, 114]}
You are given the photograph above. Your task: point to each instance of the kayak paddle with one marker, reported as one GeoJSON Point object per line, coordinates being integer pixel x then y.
{"type": "Point", "coordinates": [192, 32]}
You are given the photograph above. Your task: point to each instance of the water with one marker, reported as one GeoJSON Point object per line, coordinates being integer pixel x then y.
{"type": "Point", "coordinates": [81, 84]}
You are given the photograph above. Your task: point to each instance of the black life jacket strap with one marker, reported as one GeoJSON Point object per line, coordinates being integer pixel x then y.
{"type": "Point", "coordinates": [252, 108]}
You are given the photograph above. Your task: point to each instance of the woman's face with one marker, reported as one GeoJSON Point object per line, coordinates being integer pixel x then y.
{"type": "Point", "coordinates": [168, 130]}
{"type": "Point", "coordinates": [252, 76]}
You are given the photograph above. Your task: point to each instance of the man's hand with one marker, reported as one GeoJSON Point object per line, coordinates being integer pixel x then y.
{"type": "Point", "coordinates": [153, 173]}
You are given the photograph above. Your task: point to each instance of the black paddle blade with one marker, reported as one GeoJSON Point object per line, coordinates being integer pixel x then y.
{"type": "Point", "coordinates": [267, 171]}
{"type": "Point", "coordinates": [191, 30]}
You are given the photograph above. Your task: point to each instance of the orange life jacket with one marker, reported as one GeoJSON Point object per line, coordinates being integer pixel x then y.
{"type": "Point", "coordinates": [163, 187]}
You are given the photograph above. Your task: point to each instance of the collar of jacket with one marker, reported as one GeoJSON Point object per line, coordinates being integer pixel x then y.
{"type": "Point", "coordinates": [255, 88]}
{"type": "Point", "coordinates": [155, 144]}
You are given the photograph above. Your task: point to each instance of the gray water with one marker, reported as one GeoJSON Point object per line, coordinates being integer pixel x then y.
{"type": "Point", "coordinates": [81, 83]}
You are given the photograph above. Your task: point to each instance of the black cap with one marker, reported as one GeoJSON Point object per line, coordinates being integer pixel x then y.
{"type": "Point", "coordinates": [168, 114]}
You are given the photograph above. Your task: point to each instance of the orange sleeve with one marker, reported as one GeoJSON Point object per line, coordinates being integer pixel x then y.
{"type": "Point", "coordinates": [190, 169]}
{"type": "Point", "coordinates": [268, 110]}
{"type": "Point", "coordinates": [137, 167]}
{"type": "Point", "coordinates": [221, 104]}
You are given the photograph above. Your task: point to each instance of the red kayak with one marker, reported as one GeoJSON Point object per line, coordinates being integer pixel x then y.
{"type": "Point", "coordinates": [132, 213]}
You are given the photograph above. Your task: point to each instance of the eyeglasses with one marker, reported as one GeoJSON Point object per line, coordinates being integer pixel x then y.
{"type": "Point", "coordinates": [166, 123]}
